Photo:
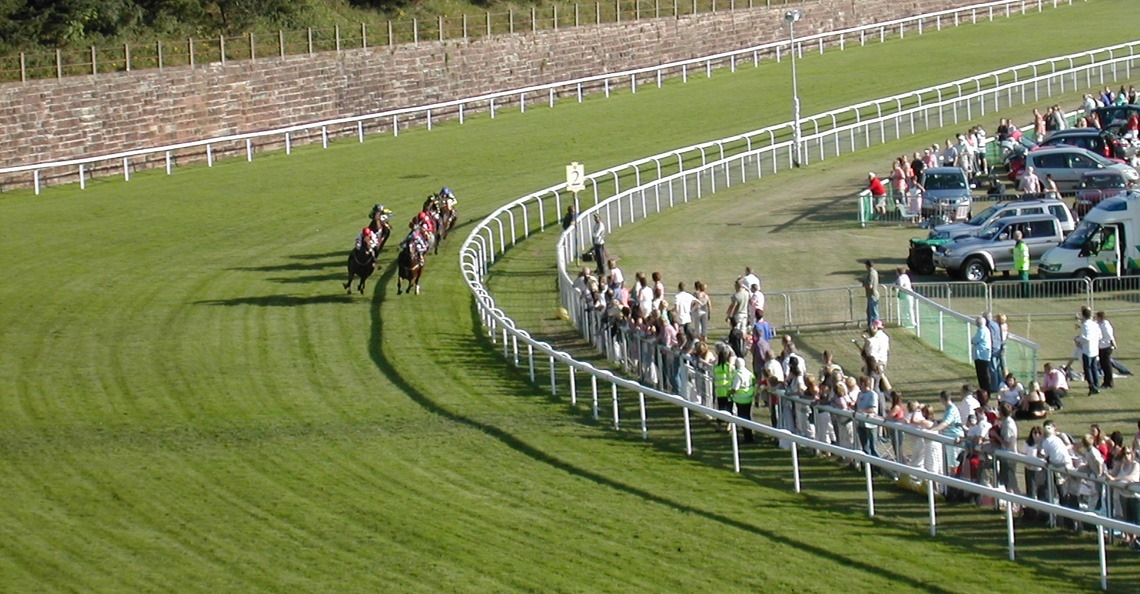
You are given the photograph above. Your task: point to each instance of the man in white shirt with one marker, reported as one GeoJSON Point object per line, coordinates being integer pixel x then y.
{"type": "Point", "coordinates": [617, 279]}
{"type": "Point", "coordinates": [599, 239]}
{"type": "Point", "coordinates": [1089, 343]}
{"type": "Point", "coordinates": [1054, 449]}
{"type": "Point", "coordinates": [968, 404]}
{"type": "Point", "coordinates": [907, 309]}
{"type": "Point", "coordinates": [685, 301]}
{"type": "Point", "coordinates": [750, 278]}
{"type": "Point", "coordinates": [1106, 345]}
{"type": "Point", "coordinates": [1029, 182]}
{"type": "Point", "coordinates": [878, 345]}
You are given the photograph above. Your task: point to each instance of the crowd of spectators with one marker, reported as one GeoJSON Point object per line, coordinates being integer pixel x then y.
{"type": "Point", "coordinates": [667, 339]}
{"type": "Point", "coordinates": [967, 151]}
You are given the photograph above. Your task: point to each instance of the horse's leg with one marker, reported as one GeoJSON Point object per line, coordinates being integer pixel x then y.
{"type": "Point", "coordinates": [348, 283]}
{"type": "Point", "coordinates": [417, 275]}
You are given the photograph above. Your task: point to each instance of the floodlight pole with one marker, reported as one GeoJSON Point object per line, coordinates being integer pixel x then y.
{"type": "Point", "coordinates": [790, 18]}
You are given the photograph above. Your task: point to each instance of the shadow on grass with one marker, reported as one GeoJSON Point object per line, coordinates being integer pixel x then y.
{"type": "Point", "coordinates": [483, 345]}
{"type": "Point", "coordinates": [312, 278]}
{"type": "Point", "coordinates": [281, 300]}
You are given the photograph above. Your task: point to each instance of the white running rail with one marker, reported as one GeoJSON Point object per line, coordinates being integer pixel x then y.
{"type": "Point", "coordinates": [686, 174]}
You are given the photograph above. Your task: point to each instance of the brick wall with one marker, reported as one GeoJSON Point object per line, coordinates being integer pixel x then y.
{"type": "Point", "coordinates": [81, 116]}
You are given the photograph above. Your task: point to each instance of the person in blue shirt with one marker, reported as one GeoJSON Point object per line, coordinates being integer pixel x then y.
{"type": "Point", "coordinates": [867, 403]}
{"type": "Point", "coordinates": [981, 347]}
{"type": "Point", "coordinates": [997, 354]}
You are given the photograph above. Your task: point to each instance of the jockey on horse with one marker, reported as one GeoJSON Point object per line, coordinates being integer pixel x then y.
{"type": "Point", "coordinates": [418, 243]}
{"type": "Point", "coordinates": [445, 202]}
{"type": "Point", "coordinates": [379, 226]}
{"type": "Point", "coordinates": [426, 221]}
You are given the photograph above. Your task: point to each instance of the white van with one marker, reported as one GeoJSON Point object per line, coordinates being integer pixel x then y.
{"type": "Point", "coordinates": [1105, 242]}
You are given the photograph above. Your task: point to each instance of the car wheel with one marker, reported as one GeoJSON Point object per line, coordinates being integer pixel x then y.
{"type": "Point", "coordinates": [975, 269]}
{"type": "Point", "coordinates": [1085, 274]}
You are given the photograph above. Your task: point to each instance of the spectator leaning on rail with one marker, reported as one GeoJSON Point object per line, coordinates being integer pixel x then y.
{"type": "Point", "coordinates": [950, 426]}
{"type": "Point", "coordinates": [742, 391]}
{"type": "Point", "coordinates": [878, 194]}
{"type": "Point", "coordinates": [867, 402]}
{"type": "Point", "coordinates": [722, 382]}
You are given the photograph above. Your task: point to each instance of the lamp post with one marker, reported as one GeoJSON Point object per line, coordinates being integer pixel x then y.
{"type": "Point", "coordinates": [790, 18]}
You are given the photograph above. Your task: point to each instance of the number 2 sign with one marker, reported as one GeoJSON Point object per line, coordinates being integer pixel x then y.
{"type": "Point", "coordinates": [575, 177]}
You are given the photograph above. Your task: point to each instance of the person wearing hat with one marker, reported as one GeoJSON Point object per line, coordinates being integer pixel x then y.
{"type": "Point", "coordinates": [742, 392]}
{"type": "Point", "coordinates": [379, 226]}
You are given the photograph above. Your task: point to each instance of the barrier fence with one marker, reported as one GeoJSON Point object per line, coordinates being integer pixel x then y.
{"type": "Point", "coordinates": [516, 221]}
{"type": "Point", "coordinates": [854, 127]}
{"type": "Point", "coordinates": [95, 60]}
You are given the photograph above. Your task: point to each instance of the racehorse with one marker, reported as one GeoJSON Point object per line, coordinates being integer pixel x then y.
{"type": "Point", "coordinates": [411, 265]}
{"type": "Point", "coordinates": [428, 219]}
{"type": "Point", "coordinates": [447, 215]}
{"type": "Point", "coordinates": [361, 263]}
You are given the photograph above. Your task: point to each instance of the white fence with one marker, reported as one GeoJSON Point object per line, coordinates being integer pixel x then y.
{"type": "Point", "coordinates": [661, 190]}
{"type": "Point", "coordinates": [209, 150]}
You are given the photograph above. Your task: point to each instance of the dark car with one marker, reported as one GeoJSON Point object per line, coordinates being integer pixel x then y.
{"type": "Point", "coordinates": [1096, 186]}
{"type": "Point", "coordinates": [1102, 142]}
{"type": "Point", "coordinates": [1113, 117]}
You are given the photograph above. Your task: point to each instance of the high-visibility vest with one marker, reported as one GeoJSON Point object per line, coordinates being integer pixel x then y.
{"type": "Point", "coordinates": [722, 380]}
{"type": "Point", "coordinates": [1020, 256]}
{"type": "Point", "coordinates": [747, 388]}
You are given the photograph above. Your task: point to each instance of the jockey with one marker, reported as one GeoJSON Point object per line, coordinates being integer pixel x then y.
{"type": "Point", "coordinates": [383, 213]}
{"type": "Point", "coordinates": [367, 239]}
{"type": "Point", "coordinates": [420, 240]}
{"type": "Point", "coordinates": [448, 197]}
{"type": "Point", "coordinates": [423, 219]}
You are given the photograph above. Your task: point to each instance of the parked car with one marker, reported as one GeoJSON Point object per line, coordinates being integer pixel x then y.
{"type": "Point", "coordinates": [1010, 208]}
{"type": "Point", "coordinates": [1102, 142]}
{"type": "Point", "coordinates": [946, 194]}
{"type": "Point", "coordinates": [976, 258]}
{"type": "Point", "coordinates": [1096, 186]}
{"type": "Point", "coordinates": [1067, 163]}
{"type": "Point", "coordinates": [1113, 117]}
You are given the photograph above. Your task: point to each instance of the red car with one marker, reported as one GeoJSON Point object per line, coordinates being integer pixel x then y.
{"type": "Point", "coordinates": [1096, 186]}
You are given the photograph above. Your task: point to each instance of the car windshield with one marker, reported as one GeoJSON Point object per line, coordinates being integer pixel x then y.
{"type": "Point", "coordinates": [1099, 159]}
{"type": "Point", "coordinates": [981, 218]}
{"type": "Point", "coordinates": [944, 181]}
{"type": "Point", "coordinates": [1101, 181]}
{"type": "Point", "coordinates": [1080, 236]}
{"type": "Point", "coordinates": [992, 231]}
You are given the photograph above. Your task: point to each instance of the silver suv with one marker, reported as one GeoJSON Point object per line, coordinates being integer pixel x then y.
{"type": "Point", "coordinates": [1000, 210]}
{"type": "Point", "coordinates": [976, 258]}
{"type": "Point", "coordinates": [1067, 163]}
{"type": "Point", "coordinates": [946, 193]}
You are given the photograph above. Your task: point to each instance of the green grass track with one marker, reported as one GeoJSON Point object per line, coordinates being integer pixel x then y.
{"type": "Point", "coordinates": [189, 403]}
